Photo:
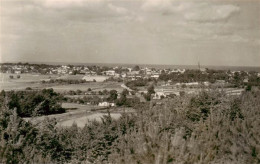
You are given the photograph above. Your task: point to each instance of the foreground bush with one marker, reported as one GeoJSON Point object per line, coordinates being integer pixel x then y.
{"type": "Point", "coordinates": [208, 128]}
{"type": "Point", "coordinates": [221, 130]}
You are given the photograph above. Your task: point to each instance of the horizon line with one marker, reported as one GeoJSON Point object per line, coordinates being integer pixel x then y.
{"type": "Point", "coordinates": [79, 63]}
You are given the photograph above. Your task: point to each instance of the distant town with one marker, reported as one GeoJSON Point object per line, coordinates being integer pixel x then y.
{"type": "Point", "coordinates": [136, 79]}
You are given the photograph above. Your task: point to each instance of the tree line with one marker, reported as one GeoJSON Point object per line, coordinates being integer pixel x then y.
{"type": "Point", "coordinates": [33, 102]}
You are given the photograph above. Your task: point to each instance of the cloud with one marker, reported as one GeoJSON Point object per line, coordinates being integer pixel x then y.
{"type": "Point", "coordinates": [151, 5]}
{"type": "Point", "coordinates": [192, 11]}
{"type": "Point", "coordinates": [117, 9]}
{"type": "Point", "coordinates": [231, 38]}
{"type": "Point", "coordinates": [208, 13]}
{"type": "Point", "coordinates": [71, 3]}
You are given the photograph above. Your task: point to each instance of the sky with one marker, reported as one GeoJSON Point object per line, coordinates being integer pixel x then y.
{"type": "Point", "coordinates": [172, 32]}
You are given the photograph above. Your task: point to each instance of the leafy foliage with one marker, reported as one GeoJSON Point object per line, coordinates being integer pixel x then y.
{"type": "Point", "coordinates": [25, 102]}
{"type": "Point", "coordinates": [208, 128]}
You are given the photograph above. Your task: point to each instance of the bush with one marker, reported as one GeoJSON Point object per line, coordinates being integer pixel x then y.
{"type": "Point", "coordinates": [43, 102]}
{"type": "Point", "coordinates": [28, 88]}
{"type": "Point", "coordinates": [208, 128]}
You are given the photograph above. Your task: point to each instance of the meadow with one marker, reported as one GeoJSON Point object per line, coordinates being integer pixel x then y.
{"type": "Point", "coordinates": [25, 80]}
{"type": "Point", "coordinates": [94, 86]}
{"type": "Point", "coordinates": [34, 81]}
{"type": "Point", "coordinates": [80, 115]}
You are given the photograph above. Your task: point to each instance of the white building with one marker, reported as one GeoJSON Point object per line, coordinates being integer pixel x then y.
{"type": "Point", "coordinates": [106, 104]}
{"type": "Point", "coordinates": [156, 76]}
{"type": "Point", "coordinates": [95, 78]}
{"type": "Point", "coordinates": [187, 84]}
{"type": "Point", "coordinates": [110, 73]}
{"type": "Point", "coordinates": [206, 83]}
{"type": "Point", "coordinates": [178, 71]}
{"type": "Point", "coordinates": [123, 75]}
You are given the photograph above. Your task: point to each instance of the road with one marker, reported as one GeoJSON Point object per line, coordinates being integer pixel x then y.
{"type": "Point", "coordinates": [125, 87]}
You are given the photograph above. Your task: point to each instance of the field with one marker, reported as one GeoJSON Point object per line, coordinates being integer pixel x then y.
{"type": "Point", "coordinates": [193, 90]}
{"type": "Point", "coordinates": [34, 81]}
{"type": "Point", "coordinates": [78, 106]}
{"type": "Point", "coordinates": [81, 114]}
{"type": "Point", "coordinates": [95, 86]}
{"type": "Point", "coordinates": [81, 121]}
{"type": "Point", "coordinates": [25, 80]}
{"type": "Point", "coordinates": [87, 78]}
{"type": "Point", "coordinates": [77, 113]}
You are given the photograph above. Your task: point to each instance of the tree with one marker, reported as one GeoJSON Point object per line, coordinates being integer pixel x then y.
{"type": "Point", "coordinates": [136, 68]}
{"type": "Point", "coordinates": [105, 92]}
{"type": "Point", "coordinates": [112, 95]}
{"type": "Point", "coordinates": [147, 96]}
{"type": "Point", "coordinates": [122, 100]}
{"type": "Point", "coordinates": [150, 89]}
{"type": "Point", "coordinates": [125, 92]}
{"type": "Point", "coordinates": [182, 93]}
{"type": "Point", "coordinates": [48, 102]}
{"type": "Point", "coordinates": [248, 88]}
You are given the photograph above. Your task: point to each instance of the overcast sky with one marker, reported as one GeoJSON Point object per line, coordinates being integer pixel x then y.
{"type": "Point", "coordinates": [175, 32]}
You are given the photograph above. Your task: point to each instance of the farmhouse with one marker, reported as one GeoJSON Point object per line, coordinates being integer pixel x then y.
{"type": "Point", "coordinates": [148, 71]}
{"type": "Point", "coordinates": [106, 104]}
{"type": "Point", "coordinates": [110, 73]}
{"type": "Point", "coordinates": [156, 76]}
{"type": "Point", "coordinates": [17, 71]}
{"type": "Point", "coordinates": [246, 80]}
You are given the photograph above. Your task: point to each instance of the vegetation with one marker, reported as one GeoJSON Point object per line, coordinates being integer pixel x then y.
{"type": "Point", "coordinates": [128, 102]}
{"type": "Point", "coordinates": [137, 83]}
{"type": "Point", "coordinates": [112, 96]}
{"type": "Point", "coordinates": [27, 103]}
{"type": "Point", "coordinates": [208, 128]}
{"type": "Point", "coordinates": [150, 91]}
{"type": "Point", "coordinates": [93, 100]}
{"type": "Point", "coordinates": [65, 81]}
{"type": "Point", "coordinates": [237, 78]}
{"type": "Point", "coordinates": [113, 79]}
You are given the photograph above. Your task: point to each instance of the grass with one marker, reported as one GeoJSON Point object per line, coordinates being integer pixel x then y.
{"type": "Point", "coordinates": [34, 81]}
{"type": "Point", "coordinates": [80, 114]}
{"type": "Point", "coordinates": [77, 106]}
{"type": "Point", "coordinates": [95, 86]}
{"type": "Point", "coordinates": [81, 121]}
{"type": "Point", "coordinates": [25, 80]}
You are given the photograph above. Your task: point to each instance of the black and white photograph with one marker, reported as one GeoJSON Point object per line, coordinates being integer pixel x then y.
{"type": "Point", "coordinates": [129, 81]}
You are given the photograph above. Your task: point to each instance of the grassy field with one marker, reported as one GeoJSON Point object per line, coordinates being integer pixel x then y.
{"type": "Point", "coordinates": [87, 78]}
{"type": "Point", "coordinates": [95, 86]}
{"type": "Point", "coordinates": [81, 121]}
{"type": "Point", "coordinates": [25, 80]}
{"type": "Point", "coordinates": [78, 106]}
{"type": "Point", "coordinates": [71, 77]}
{"type": "Point", "coordinates": [80, 114]}
{"type": "Point", "coordinates": [34, 81]}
